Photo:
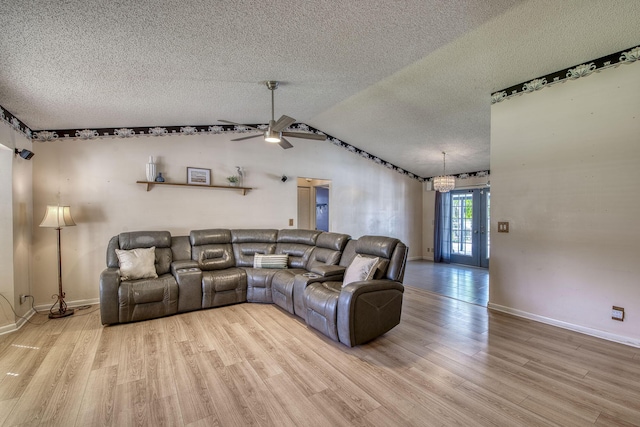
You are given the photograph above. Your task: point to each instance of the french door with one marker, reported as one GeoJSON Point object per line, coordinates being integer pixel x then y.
{"type": "Point", "coordinates": [470, 240]}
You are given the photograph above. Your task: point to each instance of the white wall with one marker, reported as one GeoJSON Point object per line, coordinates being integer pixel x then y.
{"type": "Point", "coordinates": [15, 225]}
{"type": "Point", "coordinates": [97, 179]}
{"type": "Point", "coordinates": [6, 225]}
{"type": "Point", "coordinates": [565, 170]}
{"type": "Point", "coordinates": [428, 222]}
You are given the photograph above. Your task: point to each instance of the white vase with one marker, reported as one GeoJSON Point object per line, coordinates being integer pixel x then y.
{"type": "Point", "coordinates": [151, 170]}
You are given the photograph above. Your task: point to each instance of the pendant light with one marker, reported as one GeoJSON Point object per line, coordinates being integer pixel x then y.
{"type": "Point", "coordinates": [444, 183]}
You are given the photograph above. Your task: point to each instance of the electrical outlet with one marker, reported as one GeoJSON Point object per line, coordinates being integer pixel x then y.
{"type": "Point", "coordinates": [23, 299]}
{"type": "Point", "coordinates": [617, 313]}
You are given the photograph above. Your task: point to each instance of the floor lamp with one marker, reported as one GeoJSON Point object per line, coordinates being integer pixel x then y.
{"type": "Point", "coordinates": [58, 217]}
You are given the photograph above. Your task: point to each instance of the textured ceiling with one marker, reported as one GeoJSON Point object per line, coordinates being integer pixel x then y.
{"type": "Point", "coordinates": [403, 80]}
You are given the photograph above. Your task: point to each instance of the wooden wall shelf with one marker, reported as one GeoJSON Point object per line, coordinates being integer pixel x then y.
{"type": "Point", "coordinates": [150, 185]}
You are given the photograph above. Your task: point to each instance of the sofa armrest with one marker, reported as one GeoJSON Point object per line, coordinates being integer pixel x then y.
{"type": "Point", "coordinates": [189, 279]}
{"type": "Point", "coordinates": [335, 272]}
{"type": "Point", "coordinates": [181, 265]}
{"type": "Point", "coordinates": [109, 301]}
{"type": "Point", "coordinates": [368, 309]}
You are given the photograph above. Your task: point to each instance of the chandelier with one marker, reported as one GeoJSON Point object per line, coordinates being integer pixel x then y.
{"type": "Point", "coordinates": [444, 183]}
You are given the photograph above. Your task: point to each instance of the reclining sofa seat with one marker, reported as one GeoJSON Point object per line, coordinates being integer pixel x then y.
{"type": "Point", "coordinates": [360, 311]}
{"type": "Point", "coordinates": [222, 282]}
{"type": "Point", "coordinates": [142, 299]}
{"type": "Point", "coordinates": [299, 246]}
{"type": "Point", "coordinates": [288, 285]}
{"type": "Point", "coordinates": [246, 244]}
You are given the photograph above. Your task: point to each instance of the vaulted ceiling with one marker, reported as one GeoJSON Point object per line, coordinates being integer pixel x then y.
{"type": "Point", "coordinates": [403, 80]}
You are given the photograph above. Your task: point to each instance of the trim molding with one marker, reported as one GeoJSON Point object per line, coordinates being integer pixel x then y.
{"type": "Point", "coordinates": [614, 60]}
{"type": "Point", "coordinates": [71, 304]}
{"type": "Point", "coordinates": [566, 325]}
{"type": "Point", "coordinates": [12, 327]}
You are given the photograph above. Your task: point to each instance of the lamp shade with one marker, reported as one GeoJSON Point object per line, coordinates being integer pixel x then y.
{"type": "Point", "coordinates": [57, 217]}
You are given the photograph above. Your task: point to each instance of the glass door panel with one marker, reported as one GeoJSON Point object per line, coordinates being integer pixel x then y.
{"type": "Point", "coordinates": [470, 227]}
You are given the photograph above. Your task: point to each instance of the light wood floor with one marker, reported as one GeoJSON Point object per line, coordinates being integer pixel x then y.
{"type": "Point", "coordinates": [447, 363]}
{"type": "Point", "coordinates": [464, 283]}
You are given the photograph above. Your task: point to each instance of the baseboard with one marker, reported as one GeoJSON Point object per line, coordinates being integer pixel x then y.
{"type": "Point", "coordinates": [12, 327]}
{"type": "Point", "coordinates": [419, 258]}
{"type": "Point", "coordinates": [70, 304]}
{"type": "Point", "coordinates": [566, 325]}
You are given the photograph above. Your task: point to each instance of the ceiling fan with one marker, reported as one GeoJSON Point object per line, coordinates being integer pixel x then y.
{"type": "Point", "coordinates": [276, 133]}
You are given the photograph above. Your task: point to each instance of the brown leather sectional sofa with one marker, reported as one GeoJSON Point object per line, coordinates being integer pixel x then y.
{"type": "Point", "coordinates": [215, 267]}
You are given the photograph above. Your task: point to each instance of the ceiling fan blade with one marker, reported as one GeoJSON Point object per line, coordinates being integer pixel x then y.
{"type": "Point", "coordinates": [305, 135]}
{"type": "Point", "coordinates": [247, 137]}
{"type": "Point", "coordinates": [283, 123]}
{"type": "Point", "coordinates": [238, 124]}
{"type": "Point", "coordinates": [284, 143]}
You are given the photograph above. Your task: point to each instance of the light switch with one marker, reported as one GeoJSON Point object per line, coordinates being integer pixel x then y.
{"type": "Point", "coordinates": [503, 227]}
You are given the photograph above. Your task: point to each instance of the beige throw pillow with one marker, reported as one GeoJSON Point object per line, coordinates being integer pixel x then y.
{"type": "Point", "coordinates": [137, 263]}
{"type": "Point", "coordinates": [361, 268]}
{"type": "Point", "coordinates": [270, 261]}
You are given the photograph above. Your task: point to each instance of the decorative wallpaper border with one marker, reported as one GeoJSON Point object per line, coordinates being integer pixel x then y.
{"type": "Point", "coordinates": [614, 60]}
{"type": "Point", "coordinates": [15, 123]}
{"type": "Point", "coordinates": [160, 131]}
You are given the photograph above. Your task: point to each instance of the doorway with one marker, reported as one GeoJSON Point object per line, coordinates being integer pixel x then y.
{"type": "Point", "coordinates": [322, 208]}
{"type": "Point", "coordinates": [313, 203]}
{"type": "Point", "coordinates": [470, 216]}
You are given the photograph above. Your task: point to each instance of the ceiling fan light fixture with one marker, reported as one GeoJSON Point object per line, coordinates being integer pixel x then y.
{"type": "Point", "coordinates": [271, 136]}
{"type": "Point", "coordinates": [444, 183]}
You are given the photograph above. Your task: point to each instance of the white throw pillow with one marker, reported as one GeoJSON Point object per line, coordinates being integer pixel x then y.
{"type": "Point", "coordinates": [361, 268]}
{"type": "Point", "coordinates": [270, 261]}
{"type": "Point", "coordinates": [137, 263]}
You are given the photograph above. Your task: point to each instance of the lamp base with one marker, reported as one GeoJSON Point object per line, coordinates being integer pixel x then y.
{"type": "Point", "coordinates": [58, 314]}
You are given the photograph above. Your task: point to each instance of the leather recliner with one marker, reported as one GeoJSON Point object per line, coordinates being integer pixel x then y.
{"type": "Point", "coordinates": [360, 311]}
{"type": "Point", "coordinates": [288, 285]}
{"type": "Point", "coordinates": [142, 299]}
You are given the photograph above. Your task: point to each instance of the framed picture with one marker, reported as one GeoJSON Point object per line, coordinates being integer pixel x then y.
{"type": "Point", "coordinates": [198, 176]}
